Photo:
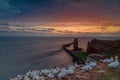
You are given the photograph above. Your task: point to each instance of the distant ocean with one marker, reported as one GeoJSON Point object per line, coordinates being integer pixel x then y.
{"type": "Point", "coordinates": [20, 54]}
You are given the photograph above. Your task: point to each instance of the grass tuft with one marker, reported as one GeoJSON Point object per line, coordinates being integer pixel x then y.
{"type": "Point", "coordinates": [82, 55]}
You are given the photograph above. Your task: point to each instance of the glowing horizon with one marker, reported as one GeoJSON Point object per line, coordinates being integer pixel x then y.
{"type": "Point", "coordinates": [61, 30]}
{"type": "Point", "coordinates": [53, 17]}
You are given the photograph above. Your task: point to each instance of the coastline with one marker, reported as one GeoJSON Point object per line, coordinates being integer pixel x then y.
{"type": "Point", "coordinates": [98, 72]}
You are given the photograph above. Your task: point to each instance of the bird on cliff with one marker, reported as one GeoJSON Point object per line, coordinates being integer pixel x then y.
{"type": "Point", "coordinates": [76, 65]}
{"type": "Point", "coordinates": [26, 77]}
{"type": "Point", "coordinates": [89, 65]}
{"type": "Point", "coordinates": [86, 67]}
{"type": "Point", "coordinates": [71, 67]}
{"type": "Point", "coordinates": [45, 71]}
{"type": "Point", "coordinates": [20, 77]}
{"type": "Point", "coordinates": [63, 69]}
{"type": "Point", "coordinates": [92, 64]}
{"type": "Point", "coordinates": [108, 60]}
{"type": "Point", "coordinates": [50, 75]}
{"type": "Point", "coordinates": [55, 71]}
{"type": "Point", "coordinates": [114, 64]}
{"type": "Point", "coordinates": [29, 73]}
{"type": "Point", "coordinates": [36, 77]}
{"type": "Point", "coordinates": [70, 71]}
{"type": "Point", "coordinates": [62, 74]}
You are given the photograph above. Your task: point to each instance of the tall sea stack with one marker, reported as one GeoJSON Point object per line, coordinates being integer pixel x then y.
{"type": "Point", "coordinates": [75, 44]}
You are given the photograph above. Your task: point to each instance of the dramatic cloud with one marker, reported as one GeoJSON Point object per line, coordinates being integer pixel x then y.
{"type": "Point", "coordinates": [59, 30]}
{"type": "Point", "coordinates": [23, 28]}
{"type": "Point", "coordinates": [60, 16]}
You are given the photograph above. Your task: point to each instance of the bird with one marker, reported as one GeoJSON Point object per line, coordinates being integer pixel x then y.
{"type": "Point", "coordinates": [55, 71]}
{"type": "Point", "coordinates": [58, 69]}
{"type": "Point", "coordinates": [92, 64]}
{"type": "Point", "coordinates": [35, 72]}
{"type": "Point", "coordinates": [70, 71]}
{"type": "Point", "coordinates": [36, 77]}
{"type": "Point", "coordinates": [50, 75]}
{"type": "Point", "coordinates": [63, 69]}
{"type": "Point", "coordinates": [71, 67]}
{"type": "Point", "coordinates": [114, 64]}
{"type": "Point", "coordinates": [108, 60]}
{"type": "Point", "coordinates": [62, 74]}
{"type": "Point", "coordinates": [87, 67]}
{"type": "Point", "coordinates": [76, 65]}
{"type": "Point", "coordinates": [45, 71]}
{"type": "Point", "coordinates": [26, 77]}
{"type": "Point", "coordinates": [20, 77]}
{"type": "Point", "coordinates": [111, 60]}
{"type": "Point", "coordinates": [29, 73]}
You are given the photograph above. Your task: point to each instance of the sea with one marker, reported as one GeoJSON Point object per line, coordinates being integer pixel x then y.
{"type": "Point", "coordinates": [21, 54]}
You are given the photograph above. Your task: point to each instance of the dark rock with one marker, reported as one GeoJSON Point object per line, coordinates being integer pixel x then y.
{"type": "Point", "coordinates": [98, 46]}
{"type": "Point", "coordinates": [75, 45]}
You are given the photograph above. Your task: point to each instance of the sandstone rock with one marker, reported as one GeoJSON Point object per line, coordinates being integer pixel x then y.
{"type": "Point", "coordinates": [76, 45]}
{"type": "Point", "coordinates": [98, 46]}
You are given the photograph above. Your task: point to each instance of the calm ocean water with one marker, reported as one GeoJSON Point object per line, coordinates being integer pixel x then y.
{"type": "Point", "coordinates": [20, 54]}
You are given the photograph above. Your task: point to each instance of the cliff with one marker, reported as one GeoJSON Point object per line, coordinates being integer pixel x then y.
{"type": "Point", "coordinates": [98, 46]}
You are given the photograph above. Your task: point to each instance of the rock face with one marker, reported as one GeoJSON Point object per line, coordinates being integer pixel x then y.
{"type": "Point", "coordinates": [98, 46]}
{"type": "Point", "coordinates": [75, 44]}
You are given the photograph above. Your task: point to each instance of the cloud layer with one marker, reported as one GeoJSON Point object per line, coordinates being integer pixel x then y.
{"type": "Point", "coordinates": [60, 16]}
{"type": "Point", "coordinates": [111, 29]}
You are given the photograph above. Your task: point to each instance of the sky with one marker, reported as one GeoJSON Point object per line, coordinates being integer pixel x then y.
{"type": "Point", "coordinates": [60, 18]}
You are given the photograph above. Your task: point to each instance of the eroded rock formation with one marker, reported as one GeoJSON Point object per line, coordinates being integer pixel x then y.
{"type": "Point", "coordinates": [98, 46]}
{"type": "Point", "coordinates": [75, 44]}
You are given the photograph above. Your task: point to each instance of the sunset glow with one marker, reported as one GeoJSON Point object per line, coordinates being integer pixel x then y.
{"type": "Point", "coordinates": [83, 29]}
{"type": "Point", "coordinates": [52, 17]}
